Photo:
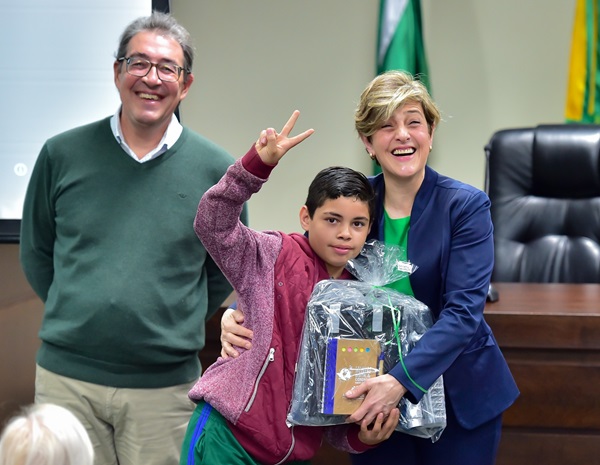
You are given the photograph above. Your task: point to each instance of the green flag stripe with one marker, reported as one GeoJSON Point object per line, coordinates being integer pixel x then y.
{"type": "Point", "coordinates": [400, 42]}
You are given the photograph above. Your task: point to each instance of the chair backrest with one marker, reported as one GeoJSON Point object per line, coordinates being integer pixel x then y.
{"type": "Point", "coordinates": [544, 186]}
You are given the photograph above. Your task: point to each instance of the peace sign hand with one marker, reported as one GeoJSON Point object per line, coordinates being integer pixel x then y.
{"type": "Point", "coordinates": [271, 146]}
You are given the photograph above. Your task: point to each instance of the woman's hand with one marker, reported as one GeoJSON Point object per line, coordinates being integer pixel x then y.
{"type": "Point", "coordinates": [380, 430]}
{"type": "Point", "coordinates": [271, 146]}
{"type": "Point", "coordinates": [233, 333]}
{"type": "Point", "coordinates": [382, 395]}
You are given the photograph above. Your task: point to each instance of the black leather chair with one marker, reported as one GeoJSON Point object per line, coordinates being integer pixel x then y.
{"type": "Point", "coordinates": [544, 185]}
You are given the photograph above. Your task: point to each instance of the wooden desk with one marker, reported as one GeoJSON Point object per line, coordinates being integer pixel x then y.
{"type": "Point", "coordinates": [550, 336]}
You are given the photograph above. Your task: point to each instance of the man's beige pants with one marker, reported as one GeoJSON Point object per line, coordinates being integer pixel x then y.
{"type": "Point", "coordinates": [126, 426]}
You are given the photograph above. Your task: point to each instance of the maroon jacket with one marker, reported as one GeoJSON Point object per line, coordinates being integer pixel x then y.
{"type": "Point", "coordinates": [273, 274]}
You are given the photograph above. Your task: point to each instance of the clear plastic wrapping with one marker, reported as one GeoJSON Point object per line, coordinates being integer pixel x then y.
{"type": "Point", "coordinates": [352, 331]}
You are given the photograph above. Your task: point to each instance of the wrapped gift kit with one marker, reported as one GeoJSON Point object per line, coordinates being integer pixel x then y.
{"type": "Point", "coordinates": [355, 330]}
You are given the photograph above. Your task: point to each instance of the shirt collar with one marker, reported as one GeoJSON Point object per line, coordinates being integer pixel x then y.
{"type": "Point", "coordinates": [169, 138]}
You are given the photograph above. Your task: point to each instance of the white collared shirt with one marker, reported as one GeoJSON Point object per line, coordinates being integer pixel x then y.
{"type": "Point", "coordinates": [168, 139]}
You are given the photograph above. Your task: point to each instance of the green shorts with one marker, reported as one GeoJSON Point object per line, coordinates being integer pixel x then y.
{"type": "Point", "coordinates": [209, 441]}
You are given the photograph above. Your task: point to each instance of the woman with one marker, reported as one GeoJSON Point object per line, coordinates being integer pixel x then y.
{"type": "Point", "coordinates": [446, 229]}
{"type": "Point", "coordinates": [45, 434]}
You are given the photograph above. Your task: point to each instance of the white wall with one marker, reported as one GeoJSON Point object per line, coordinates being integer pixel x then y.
{"type": "Point", "coordinates": [56, 73]}
{"type": "Point", "coordinates": [493, 65]}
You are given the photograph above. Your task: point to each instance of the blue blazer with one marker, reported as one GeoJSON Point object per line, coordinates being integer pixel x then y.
{"type": "Point", "coordinates": [451, 241]}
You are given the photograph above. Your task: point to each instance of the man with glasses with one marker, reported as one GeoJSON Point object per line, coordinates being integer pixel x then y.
{"type": "Point", "coordinates": [108, 244]}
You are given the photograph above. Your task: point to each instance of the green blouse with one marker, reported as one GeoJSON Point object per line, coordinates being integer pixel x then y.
{"type": "Point", "coordinates": [396, 232]}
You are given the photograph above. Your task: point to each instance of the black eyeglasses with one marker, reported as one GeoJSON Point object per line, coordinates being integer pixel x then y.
{"type": "Point", "coordinates": [140, 67]}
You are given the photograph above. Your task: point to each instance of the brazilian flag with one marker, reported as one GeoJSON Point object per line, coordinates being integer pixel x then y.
{"type": "Point", "coordinates": [583, 104]}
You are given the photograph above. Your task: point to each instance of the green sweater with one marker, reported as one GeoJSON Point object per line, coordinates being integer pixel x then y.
{"type": "Point", "coordinates": [109, 246]}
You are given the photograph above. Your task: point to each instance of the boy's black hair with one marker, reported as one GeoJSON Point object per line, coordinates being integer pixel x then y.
{"type": "Point", "coordinates": [338, 181]}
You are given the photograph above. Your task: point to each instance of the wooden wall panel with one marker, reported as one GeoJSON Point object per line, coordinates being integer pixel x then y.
{"type": "Point", "coordinates": [549, 448]}
{"type": "Point", "coordinates": [20, 317]}
{"type": "Point", "coordinates": [550, 336]}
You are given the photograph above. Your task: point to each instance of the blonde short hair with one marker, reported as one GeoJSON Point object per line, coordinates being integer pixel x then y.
{"type": "Point", "coordinates": [45, 434]}
{"type": "Point", "coordinates": [385, 94]}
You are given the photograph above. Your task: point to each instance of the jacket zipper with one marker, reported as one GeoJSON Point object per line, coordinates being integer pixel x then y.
{"type": "Point", "coordinates": [289, 452]}
{"type": "Point", "coordinates": [269, 359]}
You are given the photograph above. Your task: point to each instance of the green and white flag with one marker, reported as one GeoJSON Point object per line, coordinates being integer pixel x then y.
{"type": "Point", "coordinates": [400, 43]}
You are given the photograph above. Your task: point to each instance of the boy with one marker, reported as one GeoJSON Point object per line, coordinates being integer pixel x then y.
{"type": "Point", "coordinates": [243, 402]}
